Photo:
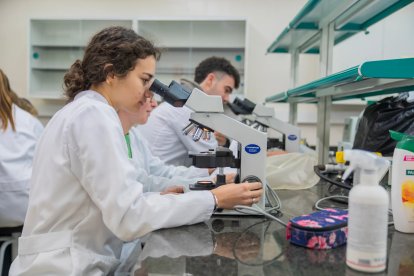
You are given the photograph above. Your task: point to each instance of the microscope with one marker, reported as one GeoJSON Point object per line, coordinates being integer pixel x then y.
{"type": "Point", "coordinates": [208, 116]}
{"type": "Point", "coordinates": [265, 118]}
{"type": "Point", "coordinates": [262, 117]}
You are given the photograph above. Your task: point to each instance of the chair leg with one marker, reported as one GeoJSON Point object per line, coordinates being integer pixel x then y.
{"type": "Point", "coordinates": [3, 251]}
{"type": "Point", "coordinates": [15, 245]}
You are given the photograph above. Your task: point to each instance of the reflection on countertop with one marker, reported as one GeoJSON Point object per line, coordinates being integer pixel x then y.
{"type": "Point", "coordinates": [253, 246]}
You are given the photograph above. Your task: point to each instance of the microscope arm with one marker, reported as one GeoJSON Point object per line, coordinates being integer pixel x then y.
{"type": "Point", "coordinates": [266, 116]}
{"type": "Point", "coordinates": [208, 111]}
{"type": "Point", "coordinates": [253, 143]}
{"type": "Point", "coordinates": [291, 132]}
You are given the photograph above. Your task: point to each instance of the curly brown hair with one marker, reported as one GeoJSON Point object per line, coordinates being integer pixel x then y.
{"type": "Point", "coordinates": [118, 47]}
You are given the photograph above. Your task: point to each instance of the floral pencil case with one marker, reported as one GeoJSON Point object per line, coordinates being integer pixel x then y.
{"type": "Point", "coordinates": [319, 230]}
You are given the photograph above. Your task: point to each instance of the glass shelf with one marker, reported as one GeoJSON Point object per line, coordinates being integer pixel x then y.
{"type": "Point", "coordinates": [371, 78]}
{"type": "Point", "coordinates": [349, 16]}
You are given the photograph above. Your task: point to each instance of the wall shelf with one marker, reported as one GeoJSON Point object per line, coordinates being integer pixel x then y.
{"type": "Point", "coordinates": [318, 26]}
{"type": "Point", "coordinates": [204, 48]}
{"type": "Point", "coordinates": [59, 46]}
{"type": "Point", "coordinates": [348, 16]}
{"type": "Point", "coordinates": [56, 44]}
{"type": "Point", "coordinates": [54, 47]}
{"type": "Point", "coordinates": [368, 79]}
{"type": "Point", "coordinates": [50, 68]}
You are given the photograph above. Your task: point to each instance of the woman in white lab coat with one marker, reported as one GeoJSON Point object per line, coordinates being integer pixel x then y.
{"type": "Point", "coordinates": [152, 171]}
{"type": "Point", "coordinates": [155, 173]}
{"type": "Point", "coordinates": [19, 132]}
{"type": "Point", "coordinates": [84, 198]}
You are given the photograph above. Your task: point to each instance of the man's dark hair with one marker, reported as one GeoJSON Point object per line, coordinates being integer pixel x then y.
{"type": "Point", "coordinates": [216, 64]}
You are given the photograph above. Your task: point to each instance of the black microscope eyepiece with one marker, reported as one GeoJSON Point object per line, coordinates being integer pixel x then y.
{"type": "Point", "coordinates": [175, 94]}
{"type": "Point", "coordinates": [242, 107]}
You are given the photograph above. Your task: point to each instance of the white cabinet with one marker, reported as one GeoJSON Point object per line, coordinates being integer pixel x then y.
{"type": "Point", "coordinates": [54, 47]}
{"type": "Point", "coordinates": [185, 43]}
{"type": "Point", "coordinates": [56, 44]}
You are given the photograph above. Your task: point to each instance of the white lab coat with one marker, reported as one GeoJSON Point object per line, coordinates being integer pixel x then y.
{"type": "Point", "coordinates": [85, 200]}
{"type": "Point", "coordinates": [164, 130]}
{"type": "Point", "coordinates": [155, 173]}
{"type": "Point", "coordinates": [16, 156]}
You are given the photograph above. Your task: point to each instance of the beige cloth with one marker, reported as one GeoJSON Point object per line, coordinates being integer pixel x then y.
{"type": "Point", "coordinates": [292, 171]}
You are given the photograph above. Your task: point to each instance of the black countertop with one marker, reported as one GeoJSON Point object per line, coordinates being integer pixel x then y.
{"type": "Point", "coordinates": [255, 246]}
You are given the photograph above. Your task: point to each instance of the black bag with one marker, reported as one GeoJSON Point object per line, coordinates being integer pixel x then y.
{"type": "Point", "coordinates": [393, 113]}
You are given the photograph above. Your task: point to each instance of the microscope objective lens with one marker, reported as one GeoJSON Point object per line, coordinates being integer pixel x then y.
{"type": "Point", "coordinates": [206, 135]}
{"type": "Point", "coordinates": [198, 133]}
{"type": "Point", "coordinates": [188, 128]}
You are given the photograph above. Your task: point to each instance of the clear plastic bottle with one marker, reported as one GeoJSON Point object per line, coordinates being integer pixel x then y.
{"type": "Point", "coordinates": [368, 213]}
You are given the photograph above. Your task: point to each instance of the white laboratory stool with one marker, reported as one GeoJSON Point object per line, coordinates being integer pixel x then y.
{"type": "Point", "coordinates": [9, 236]}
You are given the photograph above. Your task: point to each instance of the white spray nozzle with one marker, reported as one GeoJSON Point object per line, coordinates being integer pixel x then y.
{"type": "Point", "coordinates": [364, 160]}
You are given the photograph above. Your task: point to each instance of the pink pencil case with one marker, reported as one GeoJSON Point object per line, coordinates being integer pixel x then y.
{"type": "Point", "coordinates": [324, 229]}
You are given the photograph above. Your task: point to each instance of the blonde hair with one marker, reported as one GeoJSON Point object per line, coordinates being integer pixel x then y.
{"type": "Point", "coordinates": [7, 98]}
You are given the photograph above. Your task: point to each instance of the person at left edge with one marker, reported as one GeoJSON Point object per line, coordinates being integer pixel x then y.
{"type": "Point", "coordinates": [19, 132]}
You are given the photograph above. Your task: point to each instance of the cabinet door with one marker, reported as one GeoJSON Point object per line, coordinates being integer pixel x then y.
{"type": "Point", "coordinates": [54, 46]}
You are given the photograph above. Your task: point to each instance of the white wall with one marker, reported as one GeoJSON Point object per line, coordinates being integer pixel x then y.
{"type": "Point", "coordinates": [265, 74]}
{"type": "Point", "coordinates": [391, 38]}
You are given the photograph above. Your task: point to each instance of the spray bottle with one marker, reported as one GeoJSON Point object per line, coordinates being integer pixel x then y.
{"type": "Point", "coordinates": [402, 183]}
{"type": "Point", "coordinates": [368, 213]}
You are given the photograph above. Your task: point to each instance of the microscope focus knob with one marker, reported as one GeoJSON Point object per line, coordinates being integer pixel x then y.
{"type": "Point", "coordinates": [251, 178]}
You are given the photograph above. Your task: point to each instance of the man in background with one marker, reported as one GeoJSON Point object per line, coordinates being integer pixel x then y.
{"type": "Point", "coordinates": [215, 76]}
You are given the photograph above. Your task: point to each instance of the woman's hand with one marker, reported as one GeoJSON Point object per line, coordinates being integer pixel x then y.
{"type": "Point", "coordinates": [230, 177]}
{"type": "Point", "coordinates": [175, 190]}
{"type": "Point", "coordinates": [276, 152]}
{"type": "Point", "coordinates": [232, 194]}
{"type": "Point", "coordinates": [221, 139]}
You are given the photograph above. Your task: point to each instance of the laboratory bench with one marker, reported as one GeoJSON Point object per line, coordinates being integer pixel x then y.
{"type": "Point", "coordinates": [256, 246]}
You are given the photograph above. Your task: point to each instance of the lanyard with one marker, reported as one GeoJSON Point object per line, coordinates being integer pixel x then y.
{"type": "Point", "coordinates": [128, 142]}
